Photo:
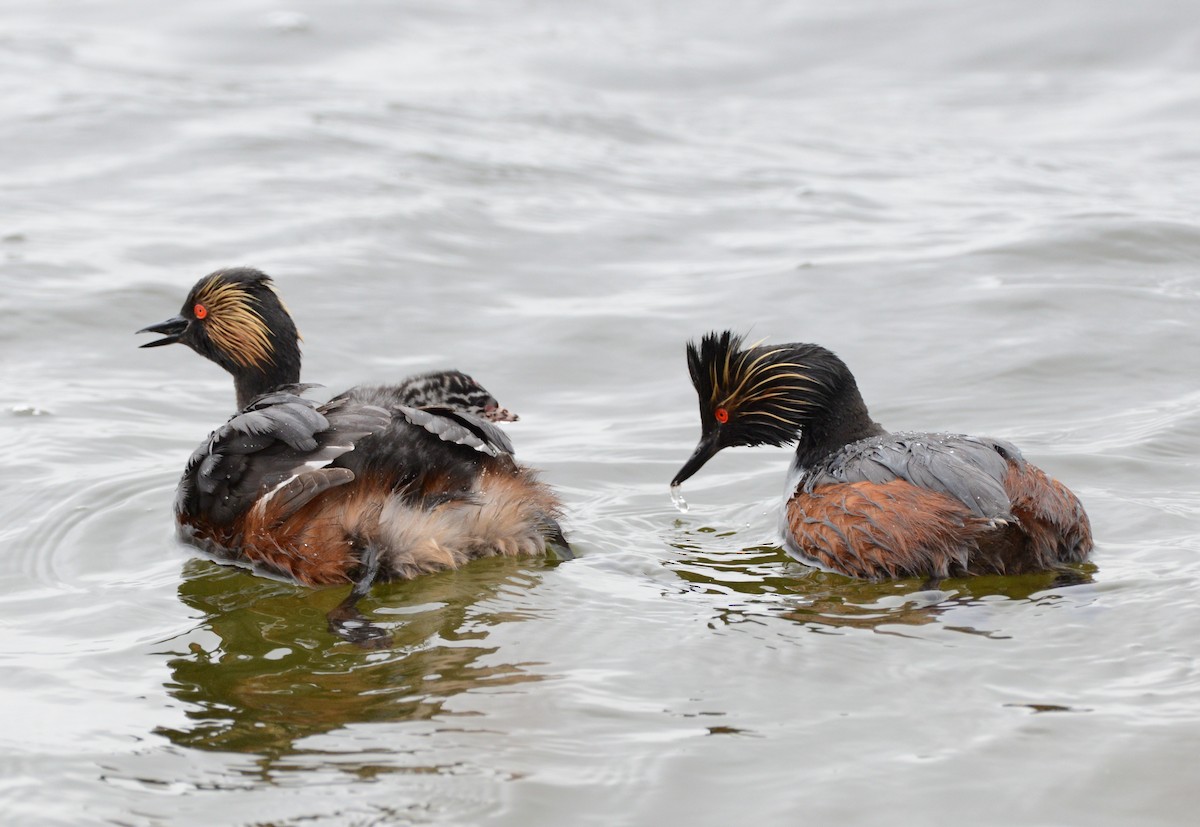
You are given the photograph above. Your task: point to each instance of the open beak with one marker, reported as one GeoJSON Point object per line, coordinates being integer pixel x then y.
{"type": "Point", "coordinates": [172, 327]}
{"type": "Point", "coordinates": [706, 450]}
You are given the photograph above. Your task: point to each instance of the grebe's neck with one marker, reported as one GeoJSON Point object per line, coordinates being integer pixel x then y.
{"type": "Point", "coordinates": [249, 383]}
{"type": "Point", "coordinates": [843, 419]}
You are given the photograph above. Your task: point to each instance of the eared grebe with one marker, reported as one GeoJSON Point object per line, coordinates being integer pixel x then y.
{"type": "Point", "coordinates": [873, 504]}
{"type": "Point", "coordinates": [379, 483]}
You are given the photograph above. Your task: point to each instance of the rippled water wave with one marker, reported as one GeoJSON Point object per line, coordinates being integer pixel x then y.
{"type": "Point", "coordinates": [988, 210]}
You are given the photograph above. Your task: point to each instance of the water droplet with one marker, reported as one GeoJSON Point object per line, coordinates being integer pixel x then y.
{"type": "Point", "coordinates": [678, 500]}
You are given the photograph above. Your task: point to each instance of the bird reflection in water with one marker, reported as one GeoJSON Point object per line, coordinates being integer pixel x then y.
{"type": "Point", "coordinates": [773, 585]}
{"type": "Point", "coordinates": [257, 675]}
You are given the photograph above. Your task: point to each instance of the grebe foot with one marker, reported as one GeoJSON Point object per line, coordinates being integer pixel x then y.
{"type": "Point", "coordinates": [347, 622]}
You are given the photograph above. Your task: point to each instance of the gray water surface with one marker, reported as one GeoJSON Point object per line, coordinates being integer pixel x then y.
{"type": "Point", "coordinates": [988, 209]}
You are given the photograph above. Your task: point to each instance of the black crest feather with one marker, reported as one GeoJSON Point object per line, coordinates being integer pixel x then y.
{"type": "Point", "coordinates": [768, 392]}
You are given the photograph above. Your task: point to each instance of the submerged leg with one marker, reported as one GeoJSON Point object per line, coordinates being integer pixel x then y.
{"type": "Point", "coordinates": [346, 621]}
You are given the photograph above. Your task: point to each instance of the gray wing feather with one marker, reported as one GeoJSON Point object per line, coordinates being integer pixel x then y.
{"type": "Point", "coordinates": [459, 427]}
{"type": "Point", "coordinates": [292, 495]}
{"type": "Point", "coordinates": [970, 469]}
{"type": "Point", "coordinates": [280, 439]}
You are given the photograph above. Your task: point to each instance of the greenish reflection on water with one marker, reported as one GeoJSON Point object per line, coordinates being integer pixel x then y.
{"type": "Point", "coordinates": [774, 584]}
{"type": "Point", "coordinates": [261, 672]}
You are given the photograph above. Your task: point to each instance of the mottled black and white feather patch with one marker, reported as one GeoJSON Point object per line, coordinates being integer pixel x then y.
{"type": "Point", "coordinates": [451, 389]}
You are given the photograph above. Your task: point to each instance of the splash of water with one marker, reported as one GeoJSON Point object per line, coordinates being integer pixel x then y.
{"type": "Point", "coordinates": [678, 500]}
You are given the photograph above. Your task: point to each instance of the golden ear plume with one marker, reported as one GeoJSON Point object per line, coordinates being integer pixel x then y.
{"type": "Point", "coordinates": [234, 323]}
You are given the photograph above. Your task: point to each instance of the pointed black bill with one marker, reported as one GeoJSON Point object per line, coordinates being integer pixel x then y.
{"type": "Point", "coordinates": [172, 327]}
{"type": "Point", "coordinates": [706, 450]}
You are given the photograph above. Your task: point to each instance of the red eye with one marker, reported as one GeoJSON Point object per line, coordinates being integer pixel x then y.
{"type": "Point", "coordinates": [199, 311]}
{"type": "Point", "coordinates": [722, 415]}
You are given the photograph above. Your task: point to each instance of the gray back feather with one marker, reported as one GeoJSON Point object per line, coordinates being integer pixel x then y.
{"type": "Point", "coordinates": [970, 469]}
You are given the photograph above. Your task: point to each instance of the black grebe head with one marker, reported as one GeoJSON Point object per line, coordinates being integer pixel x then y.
{"type": "Point", "coordinates": [234, 318]}
{"type": "Point", "coordinates": [771, 395]}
